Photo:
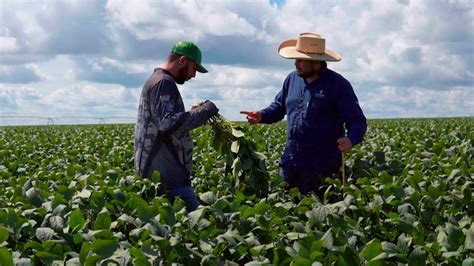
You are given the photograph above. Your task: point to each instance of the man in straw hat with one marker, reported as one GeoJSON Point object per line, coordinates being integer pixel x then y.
{"type": "Point", "coordinates": [318, 103]}
{"type": "Point", "coordinates": [162, 133]}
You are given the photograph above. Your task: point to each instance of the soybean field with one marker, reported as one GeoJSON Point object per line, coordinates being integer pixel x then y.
{"type": "Point", "coordinates": [69, 196]}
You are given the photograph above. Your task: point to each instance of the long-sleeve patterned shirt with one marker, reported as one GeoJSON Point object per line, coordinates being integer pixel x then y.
{"type": "Point", "coordinates": [163, 122]}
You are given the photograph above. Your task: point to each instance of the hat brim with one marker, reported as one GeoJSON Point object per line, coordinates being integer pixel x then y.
{"type": "Point", "coordinates": [287, 49]}
{"type": "Point", "coordinates": [201, 69]}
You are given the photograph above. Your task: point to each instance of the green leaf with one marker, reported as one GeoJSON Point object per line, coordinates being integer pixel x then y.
{"type": "Point", "coordinates": [85, 248]}
{"type": "Point", "coordinates": [60, 210]}
{"type": "Point", "coordinates": [205, 247]}
{"type": "Point", "coordinates": [235, 147]}
{"type": "Point", "coordinates": [237, 133]}
{"type": "Point", "coordinates": [76, 220]}
{"type": "Point", "coordinates": [295, 235]}
{"type": "Point", "coordinates": [468, 242]}
{"type": "Point", "coordinates": [417, 257]}
{"type": "Point", "coordinates": [3, 234]}
{"type": "Point", "coordinates": [390, 248]}
{"type": "Point", "coordinates": [299, 261]}
{"type": "Point", "coordinates": [453, 173]}
{"type": "Point", "coordinates": [141, 206]}
{"type": "Point", "coordinates": [372, 249]}
{"type": "Point", "coordinates": [112, 174]}
{"type": "Point", "coordinates": [455, 237]}
{"type": "Point", "coordinates": [418, 233]}
{"type": "Point", "coordinates": [167, 215]}
{"type": "Point", "coordinates": [299, 227]}
{"type": "Point", "coordinates": [85, 194]}
{"type": "Point", "coordinates": [47, 258]}
{"type": "Point", "coordinates": [350, 257]}
{"type": "Point", "coordinates": [73, 262]}
{"type": "Point", "coordinates": [328, 239]}
{"type": "Point", "coordinates": [385, 178]}
{"type": "Point", "coordinates": [236, 167]}
{"type": "Point", "coordinates": [156, 176]}
{"type": "Point", "coordinates": [246, 164]}
{"type": "Point", "coordinates": [77, 238]}
{"type": "Point", "coordinates": [317, 246]}
{"type": "Point", "coordinates": [21, 262]}
{"type": "Point", "coordinates": [208, 197]}
{"type": "Point", "coordinates": [294, 192]}
{"type": "Point", "coordinates": [6, 258]}
{"type": "Point", "coordinates": [34, 196]}
{"type": "Point", "coordinates": [93, 260]}
{"type": "Point", "coordinates": [403, 243]}
{"type": "Point", "coordinates": [262, 207]}
{"type": "Point", "coordinates": [54, 247]}
{"type": "Point", "coordinates": [104, 248]}
{"type": "Point", "coordinates": [195, 216]}
{"type": "Point", "coordinates": [33, 245]}
{"type": "Point", "coordinates": [102, 221]}
{"type": "Point", "coordinates": [44, 233]}
{"type": "Point", "coordinates": [468, 262]}
{"type": "Point", "coordinates": [141, 261]}
{"type": "Point", "coordinates": [321, 213]}
{"type": "Point", "coordinates": [56, 222]}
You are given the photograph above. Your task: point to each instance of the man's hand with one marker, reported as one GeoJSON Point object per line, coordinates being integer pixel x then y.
{"type": "Point", "coordinates": [253, 117]}
{"type": "Point", "coordinates": [345, 144]}
{"type": "Point", "coordinates": [194, 106]}
{"type": "Point", "coordinates": [210, 107]}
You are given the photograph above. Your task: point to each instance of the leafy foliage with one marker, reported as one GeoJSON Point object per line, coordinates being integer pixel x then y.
{"type": "Point", "coordinates": [242, 160]}
{"type": "Point", "coordinates": [69, 194]}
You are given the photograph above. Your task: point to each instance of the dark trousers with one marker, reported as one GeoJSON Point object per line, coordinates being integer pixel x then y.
{"type": "Point", "coordinates": [175, 180]}
{"type": "Point", "coordinates": [188, 195]}
{"type": "Point", "coordinates": [305, 180]}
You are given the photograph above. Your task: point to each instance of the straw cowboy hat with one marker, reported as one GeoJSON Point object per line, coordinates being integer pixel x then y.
{"type": "Point", "coordinates": [308, 46]}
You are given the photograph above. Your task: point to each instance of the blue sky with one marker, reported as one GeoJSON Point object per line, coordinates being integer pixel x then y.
{"type": "Point", "coordinates": [404, 58]}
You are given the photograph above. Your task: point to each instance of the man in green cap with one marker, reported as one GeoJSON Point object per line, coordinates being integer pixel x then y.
{"type": "Point", "coordinates": [162, 133]}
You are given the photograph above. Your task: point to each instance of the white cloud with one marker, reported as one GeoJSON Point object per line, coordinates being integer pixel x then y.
{"type": "Point", "coordinates": [191, 19]}
{"type": "Point", "coordinates": [34, 35]}
{"type": "Point", "coordinates": [20, 73]}
{"type": "Point", "coordinates": [81, 98]}
{"type": "Point", "coordinates": [126, 67]}
{"type": "Point", "coordinates": [404, 58]}
{"type": "Point", "coordinates": [233, 76]}
{"type": "Point", "coordinates": [234, 88]}
{"type": "Point", "coordinates": [417, 102]}
{"type": "Point", "coordinates": [17, 97]}
{"type": "Point", "coordinates": [8, 45]}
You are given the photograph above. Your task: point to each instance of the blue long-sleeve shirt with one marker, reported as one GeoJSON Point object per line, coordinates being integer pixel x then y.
{"type": "Point", "coordinates": [316, 114]}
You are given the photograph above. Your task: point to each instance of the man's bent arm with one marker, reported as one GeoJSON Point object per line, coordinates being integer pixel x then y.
{"type": "Point", "coordinates": [352, 114]}
{"type": "Point", "coordinates": [170, 121]}
{"type": "Point", "coordinates": [277, 109]}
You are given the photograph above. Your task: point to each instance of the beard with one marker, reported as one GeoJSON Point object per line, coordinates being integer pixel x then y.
{"type": "Point", "coordinates": [182, 75]}
{"type": "Point", "coordinates": [306, 74]}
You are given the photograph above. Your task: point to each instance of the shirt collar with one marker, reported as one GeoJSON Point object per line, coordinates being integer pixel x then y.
{"type": "Point", "coordinates": [321, 76]}
{"type": "Point", "coordinates": [165, 71]}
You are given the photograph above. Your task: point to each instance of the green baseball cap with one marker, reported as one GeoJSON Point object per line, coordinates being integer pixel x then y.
{"type": "Point", "coordinates": [191, 51]}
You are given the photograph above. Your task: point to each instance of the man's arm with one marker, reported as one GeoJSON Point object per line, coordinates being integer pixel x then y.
{"type": "Point", "coordinates": [164, 100]}
{"type": "Point", "coordinates": [273, 113]}
{"type": "Point", "coordinates": [277, 109]}
{"type": "Point", "coordinates": [351, 113]}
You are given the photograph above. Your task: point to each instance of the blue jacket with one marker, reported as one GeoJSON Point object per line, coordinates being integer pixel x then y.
{"type": "Point", "coordinates": [316, 115]}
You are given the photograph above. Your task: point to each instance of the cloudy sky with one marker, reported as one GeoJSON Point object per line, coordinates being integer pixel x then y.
{"type": "Point", "coordinates": [405, 58]}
